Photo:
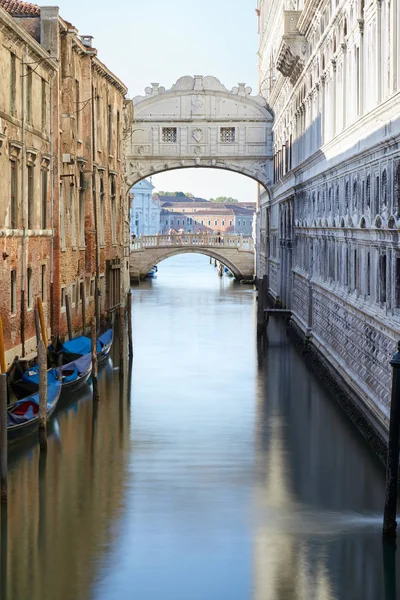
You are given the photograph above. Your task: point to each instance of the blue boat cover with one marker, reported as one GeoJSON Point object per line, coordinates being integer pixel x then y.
{"type": "Point", "coordinates": [106, 337]}
{"type": "Point", "coordinates": [78, 367]}
{"type": "Point", "coordinates": [32, 375]}
{"type": "Point", "coordinates": [53, 392]}
{"type": "Point", "coordinates": [80, 345]}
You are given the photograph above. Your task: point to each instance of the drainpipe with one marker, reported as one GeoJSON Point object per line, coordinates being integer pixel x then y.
{"type": "Point", "coordinates": [23, 219]}
{"type": "Point", "coordinates": [51, 207]}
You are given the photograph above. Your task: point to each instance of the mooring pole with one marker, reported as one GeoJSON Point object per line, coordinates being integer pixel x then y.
{"type": "Point", "coordinates": [42, 361]}
{"type": "Point", "coordinates": [37, 326]}
{"type": "Point", "coordinates": [130, 340]}
{"type": "Point", "coordinates": [95, 382]}
{"type": "Point", "coordinates": [3, 438]}
{"type": "Point", "coordinates": [83, 300]}
{"type": "Point", "coordinates": [68, 311]}
{"type": "Point", "coordinates": [262, 292]}
{"type": "Point", "coordinates": [121, 340]}
{"type": "Point", "coordinates": [392, 470]}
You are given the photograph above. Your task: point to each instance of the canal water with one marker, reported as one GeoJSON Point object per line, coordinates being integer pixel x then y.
{"type": "Point", "coordinates": [213, 471]}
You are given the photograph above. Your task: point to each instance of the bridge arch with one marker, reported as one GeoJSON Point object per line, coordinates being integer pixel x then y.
{"type": "Point", "coordinates": [235, 252]}
{"type": "Point", "coordinates": [206, 252]}
{"type": "Point", "coordinates": [198, 122]}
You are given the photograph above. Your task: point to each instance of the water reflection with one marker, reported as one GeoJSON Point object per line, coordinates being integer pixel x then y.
{"type": "Point", "coordinates": [227, 472]}
{"type": "Point", "coordinates": [63, 505]}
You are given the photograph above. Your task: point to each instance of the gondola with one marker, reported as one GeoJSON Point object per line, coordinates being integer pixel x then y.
{"type": "Point", "coordinates": [23, 415]}
{"type": "Point", "coordinates": [80, 346]}
{"type": "Point", "coordinates": [24, 380]}
{"type": "Point", "coordinates": [152, 273]}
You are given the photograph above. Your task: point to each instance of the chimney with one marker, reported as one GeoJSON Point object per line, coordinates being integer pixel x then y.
{"type": "Point", "coordinates": [49, 29]}
{"type": "Point", "coordinates": [87, 40]}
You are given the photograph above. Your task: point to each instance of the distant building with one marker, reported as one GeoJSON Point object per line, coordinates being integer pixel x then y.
{"type": "Point", "coordinates": [145, 210]}
{"type": "Point", "coordinates": [196, 214]}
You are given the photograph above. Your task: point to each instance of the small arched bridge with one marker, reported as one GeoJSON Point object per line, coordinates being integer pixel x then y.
{"type": "Point", "coordinates": [234, 251]}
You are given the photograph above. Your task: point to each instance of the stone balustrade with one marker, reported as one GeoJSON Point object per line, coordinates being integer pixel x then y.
{"type": "Point", "coordinates": [193, 239]}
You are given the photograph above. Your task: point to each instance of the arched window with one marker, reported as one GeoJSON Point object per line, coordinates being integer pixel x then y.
{"type": "Point", "coordinates": [330, 199]}
{"type": "Point", "coordinates": [368, 191]}
{"type": "Point", "coordinates": [346, 195]}
{"type": "Point", "coordinates": [337, 199]}
{"type": "Point", "coordinates": [355, 192]}
{"type": "Point", "coordinates": [397, 191]}
{"type": "Point", "coordinates": [384, 187]}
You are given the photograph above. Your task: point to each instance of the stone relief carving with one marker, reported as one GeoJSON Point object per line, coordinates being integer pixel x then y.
{"type": "Point", "coordinates": [197, 105]}
{"type": "Point", "coordinates": [198, 135]}
{"type": "Point", "coordinates": [199, 84]}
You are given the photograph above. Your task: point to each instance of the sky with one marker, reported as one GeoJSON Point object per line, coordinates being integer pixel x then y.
{"type": "Point", "coordinates": [145, 41]}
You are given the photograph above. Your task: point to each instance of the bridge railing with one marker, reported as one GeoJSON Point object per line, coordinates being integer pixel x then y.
{"type": "Point", "coordinates": [193, 239]}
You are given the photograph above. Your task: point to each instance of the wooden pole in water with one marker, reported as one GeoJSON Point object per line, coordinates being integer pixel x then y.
{"type": "Point", "coordinates": [2, 349]}
{"type": "Point", "coordinates": [95, 382]}
{"type": "Point", "coordinates": [68, 311]}
{"type": "Point", "coordinates": [83, 300]}
{"type": "Point", "coordinates": [392, 471]}
{"type": "Point", "coordinates": [42, 361]}
{"type": "Point", "coordinates": [129, 305]}
{"type": "Point", "coordinates": [42, 322]}
{"type": "Point", "coordinates": [121, 339]}
{"type": "Point", "coordinates": [3, 439]}
{"type": "Point", "coordinates": [37, 327]}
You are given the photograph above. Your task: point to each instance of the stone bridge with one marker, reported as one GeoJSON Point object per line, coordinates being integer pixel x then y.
{"type": "Point", "coordinates": [234, 251]}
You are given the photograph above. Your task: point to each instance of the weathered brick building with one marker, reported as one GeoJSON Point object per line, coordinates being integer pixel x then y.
{"type": "Point", "coordinates": [64, 215]}
{"type": "Point", "coordinates": [27, 76]}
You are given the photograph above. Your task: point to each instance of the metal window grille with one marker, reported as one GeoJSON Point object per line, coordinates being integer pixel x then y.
{"type": "Point", "coordinates": [227, 135]}
{"type": "Point", "coordinates": [169, 135]}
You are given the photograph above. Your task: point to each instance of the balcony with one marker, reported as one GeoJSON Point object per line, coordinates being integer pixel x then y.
{"type": "Point", "coordinates": [293, 47]}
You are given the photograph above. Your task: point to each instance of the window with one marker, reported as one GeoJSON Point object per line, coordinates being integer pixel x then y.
{"type": "Point", "coordinates": [44, 283]}
{"type": "Point", "coordinates": [44, 106]}
{"type": "Point", "coordinates": [377, 195]}
{"type": "Point", "coordinates": [178, 221]}
{"type": "Point", "coordinates": [81, 209]}
{"type": "Point", "coordinates": [72, 213]}
{"type": "Point", "coordinates": [113, 211]}
{"type": "Point", "coordinates": [244, 223]}
{"type": "Point", "coordinates": [209, 222]}
{"type": "Point", "coordinates": [92, 287]}
{"type": "Point", "coordinates": [118, 134]}
{"type": "Point", "coordinates": [13, 85]}
{"type": "Point", "coordinates": [183, 221]}
{"type": "Point", "coordinates": [14, 194]}
{"type": "Point", "coordinates": [101, 216]}
{"type": "Point", "coordinates": [109, 128]}
{"type": "Point", "coordinates": [239, 223]}
{"type": "Point", "coordinates": [13, 295]}
{"type": "Point", "coordinates": [382, 278]}
{"type": "Point", "coordinates": [77, 107]}
{"type": "Point", "coordinates": [227, 135]}
{"type": "Point", "coordinates": [29, 95]}
{"type": "Point", "coordinates": [98, 115]}
{"type": "Point", "coordinates": [368, 273]}
{"type": "Point", "coordinates": [215, 222]}
{"type": "Point", "coordinates": [30, 196]}
{"type": "Point", "coordinates": [63, 292]}
{"type": "Point", "coordinates": [29, 290]}
{"type": "Point", "coordinates": [368, 191]}
{"type": "Point", "coordinates": [230, 223]}
{"type": "Point", "coordinates": [62, 217]}
{"type": "Point", "coordinates": [169, 135]}
{"type": "Point", "coordinates": [222, 222]}
{"type": "Point", "coordinates": [44, 199]}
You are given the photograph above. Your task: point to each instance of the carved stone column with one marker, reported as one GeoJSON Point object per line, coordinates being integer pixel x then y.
{"type": "Point", "coordinates": [334, 119]}
{"type": "Point", "coordinates": [323, 111]}
{"type": "Point", "coordinates": [378, 43]}
{"type": "Point", "coordinates": [344, 86]}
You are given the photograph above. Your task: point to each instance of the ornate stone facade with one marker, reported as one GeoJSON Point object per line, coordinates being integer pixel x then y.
{"type": "Point", "coordinates": [328, 238]}
{"type": "Point", "coordinates": [200, 123]}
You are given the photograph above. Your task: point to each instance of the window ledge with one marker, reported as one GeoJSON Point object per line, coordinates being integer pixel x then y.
{"type": "Point", "coordinates": [82, 247]}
